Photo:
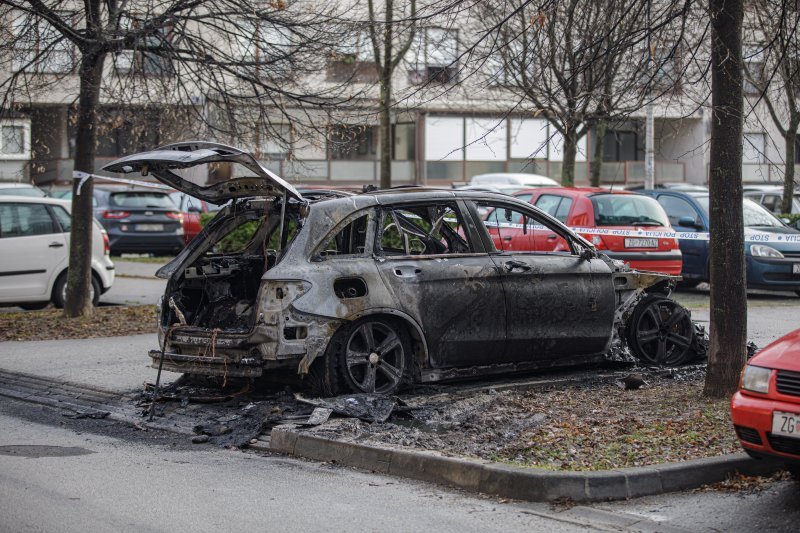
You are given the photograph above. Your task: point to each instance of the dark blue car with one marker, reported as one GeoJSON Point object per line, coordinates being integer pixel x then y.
{"type": "Point", "coordinates": [774, 265]}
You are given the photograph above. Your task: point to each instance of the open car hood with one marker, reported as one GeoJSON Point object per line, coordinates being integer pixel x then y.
{"type": "Point", "coordinates": [209, 171]}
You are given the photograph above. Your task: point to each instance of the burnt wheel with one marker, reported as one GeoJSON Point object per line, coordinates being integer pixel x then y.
{"type": "Point", "coordinates": [376, 356]}
{"type": "Point", "coordinates": [660, 332]}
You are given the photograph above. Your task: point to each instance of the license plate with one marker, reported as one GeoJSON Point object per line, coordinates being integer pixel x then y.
{"type": "Point", "coordinates": [786, 424]}
{"type": "Point", "coordinates": [636, 242]}
{"type": "Point", "coordinates": [796, 268]}
{"type": "Point", "coordinates": [149, 227]}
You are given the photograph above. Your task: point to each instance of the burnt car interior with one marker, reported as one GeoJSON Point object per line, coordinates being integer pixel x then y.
{"type": "Point", "coordinates": [422, 230]}
{"type": "Point", "coordinates": [220, 287]}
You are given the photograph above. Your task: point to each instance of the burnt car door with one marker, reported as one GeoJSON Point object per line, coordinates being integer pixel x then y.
{"type": "Point", "coordinates": [558, 304]}
{"type": "Point", "coordinates": [429, 259]}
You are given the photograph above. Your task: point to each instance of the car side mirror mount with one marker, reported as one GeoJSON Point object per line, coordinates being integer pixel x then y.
{"type": "Point", "coordinates": [587, 254]}
{"type": "Point", "coordinates": [689, 222]}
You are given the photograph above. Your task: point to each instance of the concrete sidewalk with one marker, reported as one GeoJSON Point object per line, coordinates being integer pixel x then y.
{"type": "Point", "coordinates": [118, 364]}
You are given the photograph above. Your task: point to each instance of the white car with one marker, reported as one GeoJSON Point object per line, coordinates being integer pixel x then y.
{"type": "Point", "coordinates": [34, 253]}
{"type": "Point", "coordinates": [511, 182]}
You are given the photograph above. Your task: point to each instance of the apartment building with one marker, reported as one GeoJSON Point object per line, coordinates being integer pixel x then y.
{"type": "Point", "coordinates": [446, 125]}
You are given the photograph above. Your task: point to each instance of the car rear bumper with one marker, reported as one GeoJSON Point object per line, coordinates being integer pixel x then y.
{"type": "Point", "coordinates": [752, 418]}
{"type": "Point", "coordinates": [145, 242]}
{"type": "Point", "coordinates": [668, 262]}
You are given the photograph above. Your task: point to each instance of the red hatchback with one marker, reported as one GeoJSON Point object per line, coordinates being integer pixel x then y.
{"type": "Point", "coordinates": [615, 215]}
{"type": "Point", "coordinates": [766, 410]}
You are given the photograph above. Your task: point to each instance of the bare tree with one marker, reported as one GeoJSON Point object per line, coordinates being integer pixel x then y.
{"type": "Point", "coordinates": [728, 329]}
{"type": "Point", "coordinates": [580, 63]}
{"type": "Point", "coordinates": [773, 71]}
{"type": "Point", "coordinates": [234, 66]}
{"type": "Point", "coordinates": [384, 30]}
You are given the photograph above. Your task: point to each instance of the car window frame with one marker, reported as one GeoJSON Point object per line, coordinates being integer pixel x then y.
{"type": "Point", "coordinates": [316, 255]}
{"type": "Point", "coordinates": [538, 216]}
{"type": "Point", "coordinates": [698, 213]}
{"type": "Point", "coordinates": [54, 223]}
{"type": "Point", "coordinates": [464, 219]}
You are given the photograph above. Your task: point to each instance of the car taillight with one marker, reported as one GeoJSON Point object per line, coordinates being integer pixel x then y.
{"type": "Point", "coordinates": [115, 214]}
{"type": "Point", "coordinates": [175, 215]}
{"type": "Point", "coordinates": [106, 244]}
{"type": "Point", "coordinates": [598, 242]}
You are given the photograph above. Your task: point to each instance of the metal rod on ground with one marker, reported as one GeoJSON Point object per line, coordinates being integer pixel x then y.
{"type": "Point", "coordinates": [158, 376]}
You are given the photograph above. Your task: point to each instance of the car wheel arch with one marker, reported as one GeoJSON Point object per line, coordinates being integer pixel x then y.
{"type": "Point", "coordinates": [95, 276]}
{"type": "Point", "coordinates": [419, 343]}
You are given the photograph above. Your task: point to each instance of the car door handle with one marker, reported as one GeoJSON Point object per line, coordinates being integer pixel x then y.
{"type": "Point", "coordinates": [552, 237]}
{"type": "Point", "coordinates": [516, 265]}
{"type": "Point", "coordinates": [56, 245]}
{"type": "Point", "coordinates": [407, 272]}
{"type": "Point", "coordinates": [507, 238]}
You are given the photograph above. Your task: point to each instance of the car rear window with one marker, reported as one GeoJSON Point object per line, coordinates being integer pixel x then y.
{"type": "Point", "coordinates": [141, 199]}
{"type": "Point", "coordinates": [627, 210]}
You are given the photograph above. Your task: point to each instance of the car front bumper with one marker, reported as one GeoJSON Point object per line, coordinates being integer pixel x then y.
{"type": "Point", "coordinates": [753, 416]}
{"type": "Point", "coordinates": [773, 273]}
{"type": "Point", "coordinates": [667, 262]}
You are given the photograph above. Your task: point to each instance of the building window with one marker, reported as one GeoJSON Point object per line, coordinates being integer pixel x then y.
{"type": "Point", "coordinates": [12, 140]}
{"type": "Point", "coordinates": [142, 61]}
{"type": "Point", "coordinates": [666, 62]}
{"type": "Point", "coordinates": [353, 61]}
{"type": "Point", "coordinates": [261, 46]}
{"type": "Point", "coordinates": [754, 74]}
{"type": "Point", "coordinates": [274, 143]}
{"type": "Point", "coordinates": [433, 56]}
{"type": "Point", "coordinates": [404, 147]}
{"type": "Point", "coordinates": [40, 47]}
{"type": "Point", "coordinates": [620, 146]}
{"type": "Point", "coordinates": [753, 148]}
{"type": "Point", "coordinates": [354, 143]}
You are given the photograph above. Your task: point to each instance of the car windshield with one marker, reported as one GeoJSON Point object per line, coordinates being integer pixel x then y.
{"type": "Point", "coordinates": [22, 191]}
{"type": "Point", "coordinates": [627, 210]}
{"type": "Point", "coordinates": [141, 199]}
{"type": "Point", "coordinates": [755, 216]}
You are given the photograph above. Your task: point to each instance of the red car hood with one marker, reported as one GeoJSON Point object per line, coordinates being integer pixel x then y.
{"type": "Point", "coordinates": [783, 354]}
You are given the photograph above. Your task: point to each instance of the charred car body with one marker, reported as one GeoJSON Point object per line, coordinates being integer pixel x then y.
{"type": "Point", "coordinates": [374, 291]}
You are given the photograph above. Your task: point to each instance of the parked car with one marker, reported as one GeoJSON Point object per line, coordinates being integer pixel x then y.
{"type": "Point", "coordinates": [672, 186]}
{"type": "Point", "coordinates": [773, 266]}
{"type": "Point", "coordinates": [20, 189]}
{"type": "Point", "coordinates": [771, 197]}
{"type": "Point", "coordinates": [192, 209]}
{"type": "Point", "coordinates": [34, 245]}
{"type": "Point", "coordinates": [766, 409]}
{"type": "Point", "coordinates": [614, 211]}
{"type": "Point", "coordinates": [138, 220]}
{"type": "Point", "coordinates": [373, 291]}
{"type": "Point", "coordinates": [510, 182]}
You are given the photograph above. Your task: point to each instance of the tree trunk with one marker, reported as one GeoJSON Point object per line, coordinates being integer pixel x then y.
{"type": "Point", "coordinates": [569, 148]}
{"type": "Point", "coordinates": [386, 133]}
{"type": "Point", "coordinates": [788, 177]}
{"type": "Point", "coordinates": [599, 147]}
{"type": "Point", "coordinates": [78, 301]}
{"type": "Point", "coordinates": [728, 327]}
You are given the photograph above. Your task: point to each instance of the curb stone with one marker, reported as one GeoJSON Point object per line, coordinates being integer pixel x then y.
{"type": "Point", "coordinates": [517, 482]}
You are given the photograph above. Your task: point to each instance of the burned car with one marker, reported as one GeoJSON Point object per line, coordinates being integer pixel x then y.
{"type": "Point", "coordinates": [374, 291]}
